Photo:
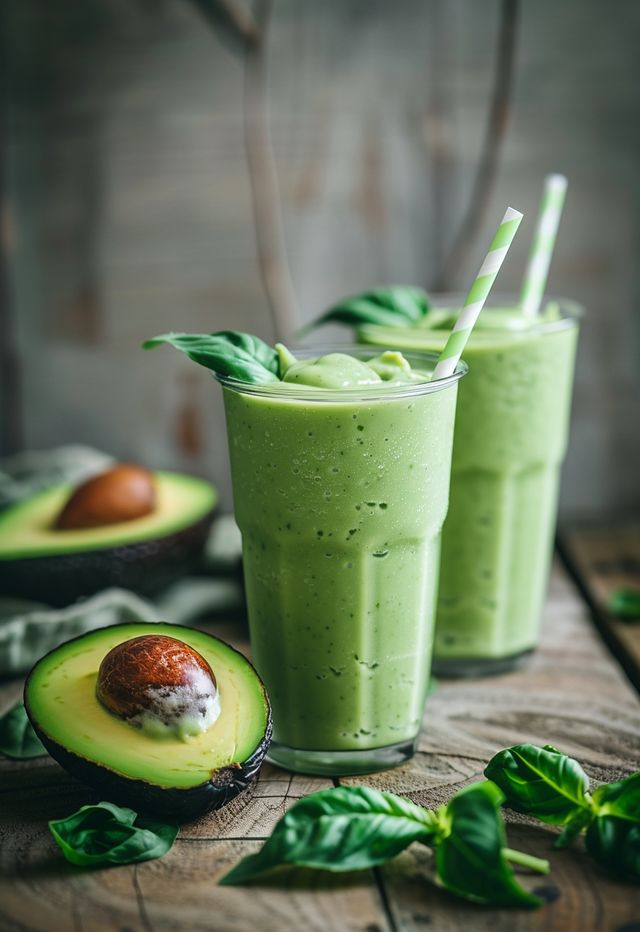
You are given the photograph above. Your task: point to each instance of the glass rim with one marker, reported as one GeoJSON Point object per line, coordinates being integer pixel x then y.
{"type": "Point", "coordinates": [571, 314]}
{"type": "Point", "coordinates": [289, 391]}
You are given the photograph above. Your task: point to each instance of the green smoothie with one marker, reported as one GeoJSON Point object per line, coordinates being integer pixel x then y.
{"type": "Point", "coordinates": [510, 439]}
{"type": "Point", "coordinates": [340, 478]}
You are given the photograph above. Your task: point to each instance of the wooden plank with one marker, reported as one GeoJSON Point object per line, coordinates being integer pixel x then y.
{"type": "Point", "coordinates": [38, 890]}
{"type": "Point", "coordinates": [602, 560]}
{"type": "Point", "coordinates": [571, 694]}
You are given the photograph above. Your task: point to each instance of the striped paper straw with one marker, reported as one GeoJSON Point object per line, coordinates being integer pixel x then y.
{"type": "Point", "coordinates": [478, 294]}
{"type": "Point", "coordinates": [535, 279]}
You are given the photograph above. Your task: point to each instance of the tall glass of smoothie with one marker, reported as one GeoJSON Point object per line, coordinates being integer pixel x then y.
{"type": "Point", "coordinates": [510, 439]}
{"type": "Point", "coordinates": [341, 485]}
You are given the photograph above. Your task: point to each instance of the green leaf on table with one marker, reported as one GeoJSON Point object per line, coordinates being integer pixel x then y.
{"type": "Point", "coordinates": [342, 829]}
{"type": "Point", "coordinates": [615, 844]}
{"type": "Point", "coordinates": [394, 306]}
{"type": "Point", "coordinates": [229, 353]}
{"type": "Point", "coordinates": [542, 782]}
{"type": "Point", "coordinates": [108, 834]}
{"type": "Point", "coordinates": [574, 827]}
{"type": "Point", "coordinates": [620, 799]}
{"type": "Point", "coordinates": [624, 603]}
{"type": "Point", "coordinates": [17, 737]}
{"type": "Point", "coordinates": [471, 860]}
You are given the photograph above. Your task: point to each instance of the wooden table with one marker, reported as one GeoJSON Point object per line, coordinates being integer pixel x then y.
{"type": "Point", "coordinates": [573, 694]}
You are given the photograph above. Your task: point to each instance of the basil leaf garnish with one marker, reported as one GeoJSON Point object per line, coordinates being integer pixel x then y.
{"type": "Point", "coordinates": [108, 834]}
{"type": "Point", "coordinates": [17, 737]}
{"type": "Point", "coordinates": [615, 844]}
{"type": "Point", "coordinates": [471, 860]}
{"type": "Point", "coordinates": [343, 829]}
{"type": "Point", "coordinates": [230, 353]}
{"type": "Point", "coordinates": [540, 781]}
{"type": "Point", "coordinates": [393, 306]}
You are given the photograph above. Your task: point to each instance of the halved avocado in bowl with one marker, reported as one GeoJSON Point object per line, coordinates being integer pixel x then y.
{"type": "Point", "coordinates": [179, 753]}
{"type": "Point", "coordinates": [54, 552]}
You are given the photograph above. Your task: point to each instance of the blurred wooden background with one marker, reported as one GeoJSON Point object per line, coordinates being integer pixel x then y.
{"type": "Point", "coordinates": [127, 204]}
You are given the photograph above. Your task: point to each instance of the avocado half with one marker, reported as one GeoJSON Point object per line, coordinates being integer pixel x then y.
{"type": "Point", "coordinates": [169, 777]}
{"type": "Point", "coordinates": [39, 561]}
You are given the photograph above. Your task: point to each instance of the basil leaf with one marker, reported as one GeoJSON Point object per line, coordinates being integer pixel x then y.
{"type": "Point", "coordinates": [615, 844]}
{"type": "Point", "coordinates": [574, 827]}
{"type": "Point", "coordinates": [228, 353]}
{"type": "Point", "coordinates": [540, 781]}
{"type": "Point", "coordinates": [108, 834]}
{"type": "Point", "coordinates": [620, 799]}
{"type": "Point", "coordinates": [343, 829]}
{"type": "Point", "coordinates": [394, 306]}
{"type": "Point", "coordinates": [470, 860]}
{"type": "Point", "coordinates": [266, 355]}
{"type": "Point", "coordinates": [17, 737]}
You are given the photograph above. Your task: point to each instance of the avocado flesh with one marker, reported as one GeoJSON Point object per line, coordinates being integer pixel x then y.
{"type": "Point", "coordinates": [27, 529]}
{"type": "Point", "coordinates": [62, 705]}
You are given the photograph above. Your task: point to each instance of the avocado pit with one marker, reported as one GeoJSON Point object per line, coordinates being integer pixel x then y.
{"type": "Point", "coordinates": [160, 685]}
{"type": "Point", "coordinates": [122, 493]}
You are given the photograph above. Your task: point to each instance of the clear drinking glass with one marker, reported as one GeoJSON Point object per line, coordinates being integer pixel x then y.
{"type": "Point", "coordinates": [510, 440]}
{"type": "Point", "coordinates": [340, 497]}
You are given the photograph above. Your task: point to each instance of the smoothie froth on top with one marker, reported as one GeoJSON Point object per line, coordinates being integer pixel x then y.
{"type": "Point", "coordinates": [511, 320]}
{"type": "Point", "coordinates": [339, 370]}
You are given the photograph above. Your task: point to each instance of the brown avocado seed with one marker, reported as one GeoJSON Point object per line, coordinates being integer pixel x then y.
{"type": "Point", "coordinates": [122, 493]}
{"type": "Point", "coordinates": [159, 684]}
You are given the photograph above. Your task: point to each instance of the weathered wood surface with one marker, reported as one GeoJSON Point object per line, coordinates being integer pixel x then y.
{"type": "Point", "coordinates": [572, 694]}
{"type": "Point", "coordinates": [602, 561]}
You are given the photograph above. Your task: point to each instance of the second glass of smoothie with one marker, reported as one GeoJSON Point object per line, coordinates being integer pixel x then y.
{"type": "Point", "coordinates": [340, 495]}
{"type": "Point", "coordinates": [510, 439]}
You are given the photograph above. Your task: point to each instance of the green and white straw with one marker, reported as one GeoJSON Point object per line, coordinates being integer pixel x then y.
{"type": "Point", "coordinates": [535, 279]}
{"type": "Point", "coordinates": [478, 294]}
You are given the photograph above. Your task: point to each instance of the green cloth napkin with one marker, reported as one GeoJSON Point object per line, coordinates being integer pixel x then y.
{"type": "Point", "coordinates": [30, 629]}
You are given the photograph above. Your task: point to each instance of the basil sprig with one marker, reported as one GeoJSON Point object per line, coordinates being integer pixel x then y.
{"type": "Point", "coordinates": [230, 353]}
{"type": "Point", "coordinates": [17, 737]}
{"type": "Point", "coordinates": [108, 834]}
{"type": "Point", "coordinates": [553, 787]}
{"type": "Point", "coordinates": [393, 306]}
{"type": "Point", "coordinates": [354, 828]}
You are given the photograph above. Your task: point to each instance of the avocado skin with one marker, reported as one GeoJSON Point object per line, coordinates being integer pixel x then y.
{"type": "Point", "coordinates": [144, 567]}
{"type": "Point", "coordinates": [183, 805]}
{"type": "Point", "coordinates": [179, 803]}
